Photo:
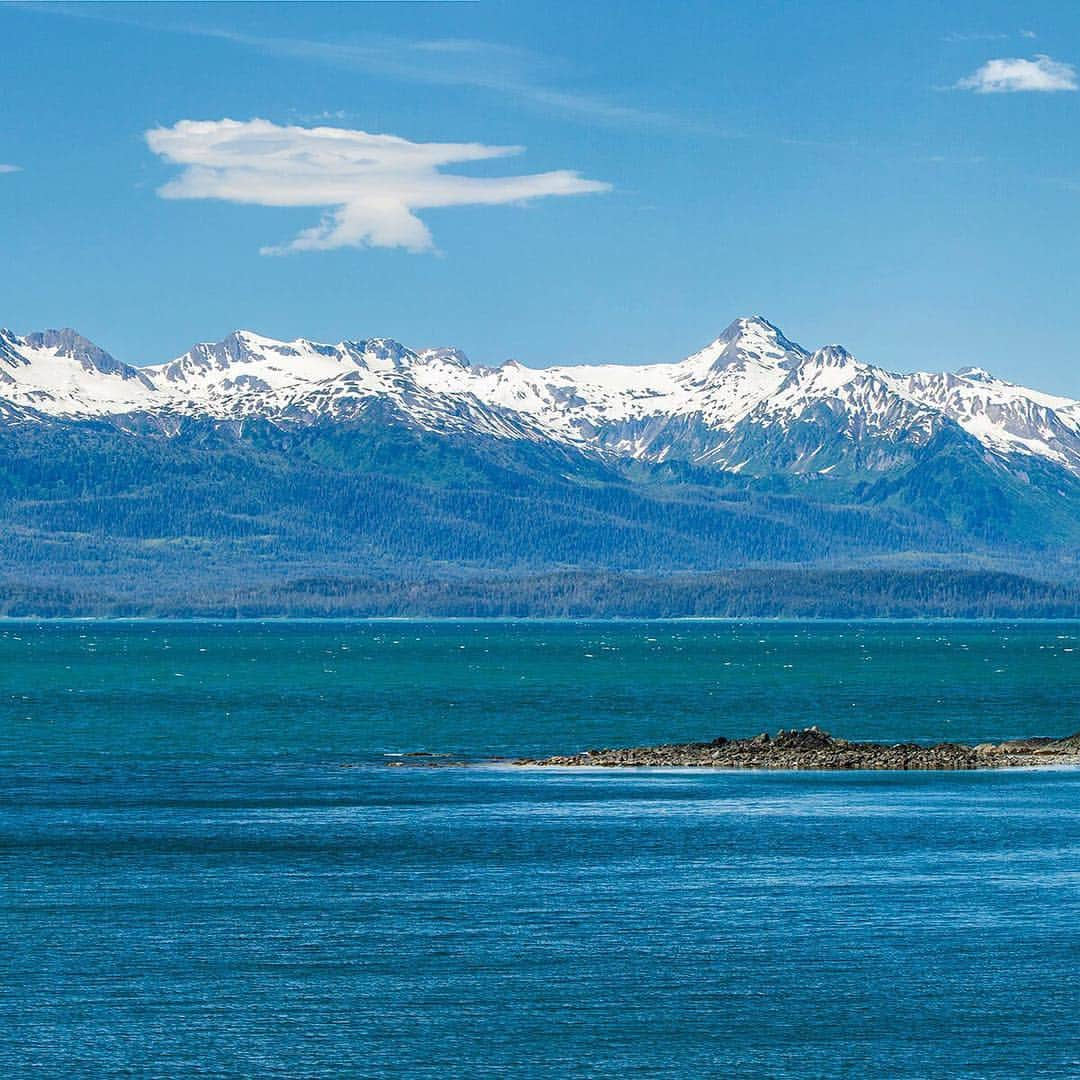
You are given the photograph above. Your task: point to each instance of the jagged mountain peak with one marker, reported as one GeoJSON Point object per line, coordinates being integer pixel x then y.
{"type": "Point", "coordinates": [747, 340]}
{"type": "Point", "coordinates": [832, 356]}
{"type": "Point", "coordinates": [241, 344]}
{"type": "Point", "coordinates": [712, 408]}
{"type": "Point", "coordinates": [829, 369]}
{"type": "Point", "coordinates": [444, 355]}
{"type": "Point", "coordinates": [976, 374]}
{"type": "Point", "coordinates": [751, 326]}
{"type": "Point", "coordinates": [70, 343]}
{"type": "Point", "coordinates": [384, 350]}
{"type": "Point", "coordinates": [64, 360]}
{"type": "Point", "coordinates": [9, 353]}
{"type": "Point", "coordinates": [756, 332]}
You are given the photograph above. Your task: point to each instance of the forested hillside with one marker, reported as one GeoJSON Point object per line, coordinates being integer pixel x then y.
{"type": "Point", "coordinates": [375, 517]}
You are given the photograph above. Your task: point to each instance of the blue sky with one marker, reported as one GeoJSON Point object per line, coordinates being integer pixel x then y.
{"type": "Point", "coordinates": [840, 168]}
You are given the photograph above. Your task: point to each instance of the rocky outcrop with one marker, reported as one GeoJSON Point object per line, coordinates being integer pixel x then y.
{"type": "Point", "coordinates": [812, 748]}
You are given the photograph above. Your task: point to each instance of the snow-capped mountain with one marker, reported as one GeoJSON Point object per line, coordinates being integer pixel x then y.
{"type": "Point", "coordinates": [60, 373]}
{"type": "Point", "coordinates": [750, 401]}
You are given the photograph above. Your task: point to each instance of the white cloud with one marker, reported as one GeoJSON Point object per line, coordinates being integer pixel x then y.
{"type": "Point", "coordinates": [510, 71]}
{"type": "Point", "coordinates": [1028, 34]}
{"type": "Point", "coordinates": [1015, 75]}
{"type": "Point", "coordinates": [10, 168]}
{"type": "Point", "coordinates": [369, 186]}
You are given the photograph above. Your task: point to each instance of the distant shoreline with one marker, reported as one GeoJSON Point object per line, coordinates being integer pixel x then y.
{"type": "Point", "coordinates": [569, 620]}
{"type": "Point", "coordinates": [768, 595]}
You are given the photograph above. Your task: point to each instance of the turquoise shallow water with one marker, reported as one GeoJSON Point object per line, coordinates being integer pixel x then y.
{"type": "Point", "coordinates": [192, 884]}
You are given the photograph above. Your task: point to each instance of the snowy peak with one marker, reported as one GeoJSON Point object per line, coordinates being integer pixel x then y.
{"type": "Point", "coordinates": [239, 347]}
{"type": "Point", "coordinates": [975, 374]}
{"type": "Point", "coordinates": [9, 353]}
{"type": "Point", "coordinates": [443, 356]}
{"type": "Point", "coordinates": [756, 332]}
{"type": "Point", "coordinates": [382, 354]}
{"type": "Point", "coordinates": [833, 356]}
{"type": "Point", "coordinates": [60, 372]}
{"type": "Point", "coordinates": [70, 344]}
{"type": "Point", "coordinates": [747, 342]}
{"type": "Point", "coordinates": [826, 371]}
{"type": "Point", "coordinates": [751, 400]}
{"type": "Point", "coordinates": [233, 377]}
{"type": "Point", "coordinates": [1004, 417]}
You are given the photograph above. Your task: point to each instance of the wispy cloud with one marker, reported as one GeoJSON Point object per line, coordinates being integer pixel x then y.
{"type": "Point", "coordinates": [1017, 75]}
{"type": "Point", "coordinates": [963, 36]}
{"type": "Point", "coordinates": [975, 35]}
{"type": "Point", "coordinates": [10, 168]}
{"type": "Point", "coordinates": [369, 186]}
{"type": "Point", "coordinates": [322, 116]}
{"type": "Point", "coordinates": [955, 159]}
{"type": "Point", "coordinates": [485, 65]}
{"type": "Point", "coordinates": [511, 71]}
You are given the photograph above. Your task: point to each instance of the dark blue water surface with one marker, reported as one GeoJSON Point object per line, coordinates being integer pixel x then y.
{"type": "Point", "coordinates": [206, 867]}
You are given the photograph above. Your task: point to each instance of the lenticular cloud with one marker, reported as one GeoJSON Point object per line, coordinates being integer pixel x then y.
{"type": "Point", "coordinates": [369, 186]}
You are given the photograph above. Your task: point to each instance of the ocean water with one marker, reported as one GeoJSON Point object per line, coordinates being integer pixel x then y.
{"type": "Point", "coordinates": [207, 869]}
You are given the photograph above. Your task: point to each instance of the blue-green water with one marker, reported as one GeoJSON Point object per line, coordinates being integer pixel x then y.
{"type": "Point", "coordinates": [193, 884]}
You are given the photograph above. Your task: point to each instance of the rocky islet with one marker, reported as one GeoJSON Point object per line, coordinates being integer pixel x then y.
{"type": "Point", "coordinates": [812, 748]}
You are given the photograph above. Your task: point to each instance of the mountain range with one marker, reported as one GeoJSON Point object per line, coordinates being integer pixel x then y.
{"type": "Point", "coordinates": [750, 401]}
{"type": "Point", "coordinates": [250, 464]}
